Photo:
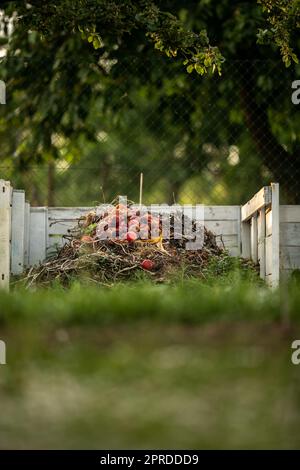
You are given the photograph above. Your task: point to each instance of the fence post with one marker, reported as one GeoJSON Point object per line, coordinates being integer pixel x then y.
{"type": "Point", "coordinates": [275, 234]}
{"type": "Point", "coordinates": [17, 231]}
{"type": "Point", "coordinates": [246, 239]}
{"type": "Point", "coordinates": [254, 241]}
{"type": "Point", "coordinates": [26, 234]}
{"type": "Point", "coordinates": [38, 235]}
{"type": "Point", "coordinates": [255, 244]}
{"type": "Point", "coordinates": [262, 242]}
{"type": "Point", "coordinates": [5, 230]}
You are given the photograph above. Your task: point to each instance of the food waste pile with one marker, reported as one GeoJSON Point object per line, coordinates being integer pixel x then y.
{"type": "Point", "coordinates": [123, 243]}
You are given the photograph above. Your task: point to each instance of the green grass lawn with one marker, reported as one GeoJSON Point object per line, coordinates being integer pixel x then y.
{"type": "Point", "coordinates": [142, 366]}
{"type": "Point", "coordinates": [184, 302]}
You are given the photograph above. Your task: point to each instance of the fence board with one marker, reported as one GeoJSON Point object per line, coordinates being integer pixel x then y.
{"type": "Point", "coordinates": [210, 212]}
{"type": "Point", "coordinates": [275, 234]}
{"type": "Point", "coordinates": [17, 232]}
{"type": "Point", "coordinates": [268, 279]}
{"type": "Point", "coordinates": [289, 214]}
{"type": "Point", "coordinates": [290, 234]}
{"type": "Point", "coordinates": [254, 251]}
{"type": "Point", "coordinates": [234, 251]}
{"type": "Point", "coordinates": [223, 227]}
{"type": "Point", "coordinates": [26, 234]}
{"type": "Point", "coordinates": [261, 199]}
{"type": "Point", "coordinates": [268, 223]}
{"type": "Point", "coordinates": [268, 264]}
{"type": "Point", "coordinates": [67, 213]}
{"type": "Point", "coordinates": [239, 229]}
{"type": "Point", "coordinates": [5, 227]}
{"type": "Point", "coordinates": [61, 227]}
{"type": "Point", "coordinates": [290, 257]}
{"type": "Point", "coordinates": [221, 213]}
{"type": "Point", "coordinates": [38, 235]}
{"type": "Point", "coordinates": [261, 230]}
{"type": "Point", "coordinates": [246, 239]}
{"type": "Point", "coordinates": [229, 241]}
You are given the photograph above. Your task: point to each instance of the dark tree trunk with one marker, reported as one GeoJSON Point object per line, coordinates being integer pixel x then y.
{"type": "Point", "coordinates": [284, 166]}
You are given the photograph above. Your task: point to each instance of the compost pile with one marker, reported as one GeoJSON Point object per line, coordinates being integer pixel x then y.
{"type": "Point", "coordinates": [95, 251]}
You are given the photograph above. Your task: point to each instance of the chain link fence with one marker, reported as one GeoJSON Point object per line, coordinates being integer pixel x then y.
{"type": "Point", "coordinates": [196, 139]}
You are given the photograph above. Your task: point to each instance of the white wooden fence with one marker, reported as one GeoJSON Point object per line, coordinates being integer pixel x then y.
{"type": "Point", "coordinates": [261, 230]}
{"type": "Point", "coordinates": [270, 234]}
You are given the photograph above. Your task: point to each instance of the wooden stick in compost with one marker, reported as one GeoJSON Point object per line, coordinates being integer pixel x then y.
{"type": "Point", "coordinates": [141, 188]}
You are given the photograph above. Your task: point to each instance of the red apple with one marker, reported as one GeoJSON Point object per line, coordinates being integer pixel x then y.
{"type": "Point", "coordinates": [131, 236]}
{"type": "Point", "coordinates": [147, 264]}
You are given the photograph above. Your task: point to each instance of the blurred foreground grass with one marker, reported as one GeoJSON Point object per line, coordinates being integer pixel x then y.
{"type": "Point", "coordinates": [191, 366]}
{"type": "Point", "coordinates": [187, 301]}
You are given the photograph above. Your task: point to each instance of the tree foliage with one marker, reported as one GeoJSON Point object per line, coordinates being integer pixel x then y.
{"type": "Point", "coordinates": [76, 69]}
{"type": "Point", "coordinates": [106, 23]}
{"type": "Point", "coordinates": [283, 18]}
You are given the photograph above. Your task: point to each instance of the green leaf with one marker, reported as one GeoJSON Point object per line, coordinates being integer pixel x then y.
{"type": "Point", "coordinates": [199, 69]}
{"type": "Point", "coordinates": [190, 68]}
{"type": "Point", "coordinates": [88, 230]}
